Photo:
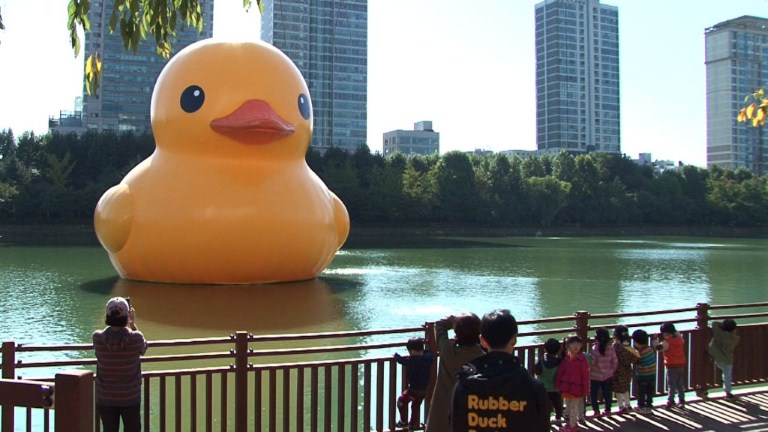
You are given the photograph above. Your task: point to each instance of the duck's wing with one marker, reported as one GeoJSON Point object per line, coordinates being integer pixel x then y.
{"type": "Point", "coordinates": [341, 217]}
{"type": "Point", "coordinates": [113, 217]}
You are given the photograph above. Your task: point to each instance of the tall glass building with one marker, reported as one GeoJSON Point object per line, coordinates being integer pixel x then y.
{"type": "Point", "coordinates": [127, 79]}
{"type": "Point", "coordinates": [736, 58]}
{"type": "Point", "coordinates": [328, 41]}
{"type": "Point", "coordinates": [577, 76]}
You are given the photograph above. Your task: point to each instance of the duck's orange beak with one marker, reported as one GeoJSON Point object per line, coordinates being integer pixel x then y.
{"type": "Point", "coordinates": [254, 122]}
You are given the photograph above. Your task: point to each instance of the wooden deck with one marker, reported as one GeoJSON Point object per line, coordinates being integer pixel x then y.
{"type": "Point", "coordinates": [749, 412]}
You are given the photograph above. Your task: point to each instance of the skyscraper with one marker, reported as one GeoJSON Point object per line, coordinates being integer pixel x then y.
{"type": "Point", "coordinates": [328, 41]}
{"type": "Point", "coordinates": [577, 76]}
{"type": "Point", "coordinates": [127, 79]}
{"type": "Point", "coordinates": [736, 58]}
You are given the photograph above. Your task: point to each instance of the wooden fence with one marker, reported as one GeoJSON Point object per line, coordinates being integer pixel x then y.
{"type": "Point", "coordinates": [337, 381]}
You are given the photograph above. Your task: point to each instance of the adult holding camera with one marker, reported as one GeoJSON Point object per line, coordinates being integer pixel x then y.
{"type": "Point", "coordinates": [454, 354]}
{"type": "Point", "coordinates": [119, 348]}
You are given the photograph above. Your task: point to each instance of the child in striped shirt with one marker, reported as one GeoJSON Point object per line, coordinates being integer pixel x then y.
{"type": "Point", "coordinates": [646, 371]}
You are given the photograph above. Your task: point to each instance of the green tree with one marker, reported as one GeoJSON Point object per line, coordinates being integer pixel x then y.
{"type": "Point", "coordinates": [564, 167]}
{"type": "Point", "coordinates": [387, 202]}
{"type": "Point", "coordinates": [455, 188]}
{"type": "Point", "coordinates": [533, 167]}
{"type": "Point", "coordinates": [29, 151]}
{"type": "Point", "coordinates": [7, 144]}
{"type": "Point", "coordinates": [59, 171]}
{"type": "Point", "coordinates": [546, 197]}
{"type": "Point", "coordinates": [419, 187]}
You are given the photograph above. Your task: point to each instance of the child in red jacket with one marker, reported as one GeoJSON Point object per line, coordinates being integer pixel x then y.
{"type": "Point", "coordinates": [573, 382]}
{"type": "Point", "coordinates": [673, 347]}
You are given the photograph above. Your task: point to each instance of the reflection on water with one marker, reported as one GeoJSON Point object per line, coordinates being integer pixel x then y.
{"type": "Point", "coordinates": [191, 310]}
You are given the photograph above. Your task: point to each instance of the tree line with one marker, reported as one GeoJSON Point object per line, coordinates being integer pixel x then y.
{"type": "Point", "coordinates": [58, 178]}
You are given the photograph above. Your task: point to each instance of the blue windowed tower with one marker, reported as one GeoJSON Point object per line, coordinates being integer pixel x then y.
{"type": "Point", "coordinates": [127, 81]}
{"type": "Point", "coordinates": [736, 58]}
{"type": "Point", "coordinates": [577, 76]}
{"type": "Point", "coordinates": [328, 41]}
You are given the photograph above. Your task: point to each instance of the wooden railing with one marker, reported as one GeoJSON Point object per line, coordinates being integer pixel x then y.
{"type": "Point", "coordinates": [339, 381]}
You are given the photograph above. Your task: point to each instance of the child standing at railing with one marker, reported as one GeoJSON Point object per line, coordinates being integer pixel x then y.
{"type": "Point", "coordinates": [721, 348]}
{"type": "Point", "coordinates": [573, 382]}
{"type": "Point", "coordinates": [546, 370]}
{"type": "Point", "coordinates": [671, 343]}
{"type": "Point", "coordinates": [646, 371]}
{"type": "Point", "coordinates": [627, 356]}
{"type": "Point", "coordinates": [417, 364]}
{"type": "Point", "coordinates": [601, 370]}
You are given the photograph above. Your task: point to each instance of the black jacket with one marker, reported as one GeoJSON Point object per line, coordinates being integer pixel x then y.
{"type": "Point", "coordinates": [494, 393]}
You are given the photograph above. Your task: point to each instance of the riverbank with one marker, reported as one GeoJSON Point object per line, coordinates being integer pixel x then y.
{"type": "Point", "coordinates": [366, 234]}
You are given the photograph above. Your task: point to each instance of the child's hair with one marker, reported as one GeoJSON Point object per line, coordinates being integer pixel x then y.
{"type": "Point", "coordinates": [667, 327]}
{"type": "Point", "coordinates": [415, 344]}
{"type": "Point", "coordinates": [729, 325]}
{"type": "Point", "coordinates": [640, 336]}
{"type": "Point", "coordinates": [467, 329]}
{"type": "Point", "coordinates": [619, 331]}
{"type": "Point", "coordinates": [571, 339]}
{"type": "Point", "coordinates": [498, 327]}
{"type": "Point", "coordinates": [602, 337]}
{"type": "Point", "coordinates": [552, 346]}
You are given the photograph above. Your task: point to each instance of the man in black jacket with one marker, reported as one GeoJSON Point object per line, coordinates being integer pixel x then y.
{"type": "Point", "coordinates": [495, 393]}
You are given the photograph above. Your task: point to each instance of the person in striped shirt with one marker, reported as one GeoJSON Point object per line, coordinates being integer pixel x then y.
{"type": "Point", "coordinates": [119, 348]}
{"type": "Point", "coordinates": [646, 371]}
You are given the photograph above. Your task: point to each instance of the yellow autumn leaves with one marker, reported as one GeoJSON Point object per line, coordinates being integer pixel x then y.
{"type": "Point", "coordinates": [756, 111]}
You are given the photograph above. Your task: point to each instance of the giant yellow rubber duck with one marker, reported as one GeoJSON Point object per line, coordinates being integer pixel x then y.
{"type": "Point", "coordinates": [227, 196]}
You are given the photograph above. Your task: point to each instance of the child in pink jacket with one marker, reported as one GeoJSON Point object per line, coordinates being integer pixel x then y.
{"type": "Point", "coordinates": [601, 369]}
{"type": "Point", "coordinates": [573, 382]}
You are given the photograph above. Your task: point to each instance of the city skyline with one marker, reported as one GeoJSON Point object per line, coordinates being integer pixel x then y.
{"type": "Point", "coordinates": [469, 70]}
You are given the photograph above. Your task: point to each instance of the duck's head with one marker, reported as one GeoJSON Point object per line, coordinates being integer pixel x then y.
{"type": "Point", "coordinates": [232, 100]}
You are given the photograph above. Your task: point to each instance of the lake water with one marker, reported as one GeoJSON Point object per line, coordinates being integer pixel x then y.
{"type": "Point", "coordinates": [56, 294]}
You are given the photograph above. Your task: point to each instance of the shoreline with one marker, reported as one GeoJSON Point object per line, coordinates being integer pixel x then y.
{"type": "Point", "coordinates": [84, 235]}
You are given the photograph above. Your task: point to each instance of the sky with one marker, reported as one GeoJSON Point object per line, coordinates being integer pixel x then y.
{"type": "Point", "coordinates": [469, 67]}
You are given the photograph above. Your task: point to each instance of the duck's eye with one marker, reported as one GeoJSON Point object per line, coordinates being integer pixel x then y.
{"type": "Point", "coordinates": [192, 98]}
{"type": "Point", "coordinates": [304, 107]}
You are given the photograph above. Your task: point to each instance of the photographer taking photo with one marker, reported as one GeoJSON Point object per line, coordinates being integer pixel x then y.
{"type": "Point", "coordinates": [119, 348]}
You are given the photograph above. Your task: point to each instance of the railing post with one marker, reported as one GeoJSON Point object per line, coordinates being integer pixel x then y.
{"type": "Point", "coordinates": [429, 337]}
{"type": "Point", "coordinates": [73, 401]}
{"type": "Point", "coordinates": [700, 365]}
{"type": "Point", "coordinates": [241, 382]}
{"type": "Point", "coordinates": [582, 327]}
{"type": "Point", "coordinates": [9, 369]}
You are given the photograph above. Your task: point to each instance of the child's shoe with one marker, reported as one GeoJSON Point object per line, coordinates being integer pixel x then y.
{"type": "Point", "coordinates": [730, 396]}
{"type": "Point", "coordinates": [670, 404]}
{"type": "Point", "coordinates": [401, 425]}
{"type": "Point", "coordinates": [606, 413]}
{"type": "Point", "coordinates": [681, 404]}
